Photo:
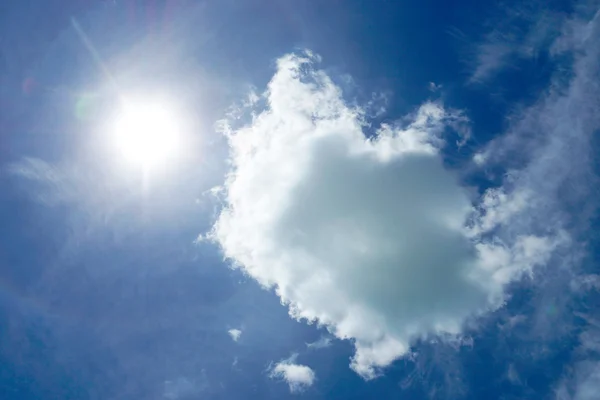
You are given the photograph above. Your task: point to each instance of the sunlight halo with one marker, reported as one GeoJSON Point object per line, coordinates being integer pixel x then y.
{"type": "Point", "coordinates": [148, 134]}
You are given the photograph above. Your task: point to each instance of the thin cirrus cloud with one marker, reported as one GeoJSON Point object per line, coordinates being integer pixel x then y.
{"type": "Point", "coordinates": [574, 119]}
{"type": "Point", "coordinates": [373, 238]}
{"type": "Point", "coordinates": [322, 343]}
{"type": "Point", "coordinates": [550, 188]}
{"type": "Point", "coordinates": [522, 32]}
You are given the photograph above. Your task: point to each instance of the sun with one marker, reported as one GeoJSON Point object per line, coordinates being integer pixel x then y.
{"type": "Point", "coordinates": [147, 134]}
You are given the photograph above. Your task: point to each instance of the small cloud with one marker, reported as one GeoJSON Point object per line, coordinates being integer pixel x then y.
{"type": "Point", "coordinates": [479, 158]}
{"type": "Point", "coordinates": [322, 343]}
{"type": "Point", "coordinates": [298, 377]}
{"type": "Point", "coordinates": [491, 57]}
{"type": "Point", "coordinates": [235, 334]}
{"type": "Point", "coordinates": [513, 375]}
{"type": "Point", "coordinates": [513, 322]}
{"type": "Point", "coordinates": [184, 388]}
{"type": "Point", "coordinates": [434, 87]}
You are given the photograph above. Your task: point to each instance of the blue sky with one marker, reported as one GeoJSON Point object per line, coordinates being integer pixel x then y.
{"type": "Point", "coordinates": [365, 199]}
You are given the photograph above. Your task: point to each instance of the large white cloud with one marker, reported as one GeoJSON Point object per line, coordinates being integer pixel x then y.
{"type": "Point", "coordinates": [366, 237]}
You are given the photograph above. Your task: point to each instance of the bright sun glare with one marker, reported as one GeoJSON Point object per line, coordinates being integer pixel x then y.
{"type": "Point", "coordinates": [147, 134]}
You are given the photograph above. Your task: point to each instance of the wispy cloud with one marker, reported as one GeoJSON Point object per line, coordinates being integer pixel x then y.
{"type": "Point", "coordinates": [322, 343]}
{"type": "Point", "coordinates": [521, 32]}
{"type": "Point", "coordinates": [548, 154]}
{"type": "Point", "coordinates": [185, 388]}
{"type": "Point", "coordinates": [53, 185]}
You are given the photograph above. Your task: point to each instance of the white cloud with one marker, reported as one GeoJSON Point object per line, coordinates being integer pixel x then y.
{"type": "Point", "coordinates": [298, 377]}
{"type": "Point", "coordinates": [366, 237]}
{"type": "Point", "coordinates": [235, 334]}
{"type": "Point", "coordinates": [322, 343]}
{"type": "Point", "coordinates": [497, 207]}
